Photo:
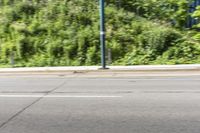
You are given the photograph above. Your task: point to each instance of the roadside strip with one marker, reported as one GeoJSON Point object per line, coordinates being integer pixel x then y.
{"type": "Point", "coordinates": [113, 71]}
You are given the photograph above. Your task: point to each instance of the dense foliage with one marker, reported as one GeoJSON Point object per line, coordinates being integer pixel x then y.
{"type": "Point", "coordinates": [66, 32]}
{"type": "Point", "coordinates": [172, 11]}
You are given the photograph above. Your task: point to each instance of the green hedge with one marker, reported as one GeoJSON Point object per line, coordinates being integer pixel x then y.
{"type": "Point", "coordinates": [66, 32]}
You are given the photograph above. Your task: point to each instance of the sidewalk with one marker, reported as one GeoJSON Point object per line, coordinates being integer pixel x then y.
{"type": "Point", "coordinates": [112, 72]}
{"type": "Point", "coordinates": [195, 67]}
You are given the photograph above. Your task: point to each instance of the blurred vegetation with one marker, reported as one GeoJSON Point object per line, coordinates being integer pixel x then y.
{"type": "Point", "coordinates": [66, 32]}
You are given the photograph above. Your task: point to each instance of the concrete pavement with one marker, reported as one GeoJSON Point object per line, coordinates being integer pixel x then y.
{"type": "Point", "coordinates": [184, 67]}
{"type": "Point", "coordinates": [60, 104]}
{"type": "Point", "coordinates": [113, 71]}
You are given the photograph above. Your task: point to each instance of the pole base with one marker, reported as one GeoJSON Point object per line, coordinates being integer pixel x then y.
{"type": "Point", "coordinates": [104, 68]}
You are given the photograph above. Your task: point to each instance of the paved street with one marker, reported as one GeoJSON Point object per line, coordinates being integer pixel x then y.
{"type": "Point", "coordinates": [59, 104]}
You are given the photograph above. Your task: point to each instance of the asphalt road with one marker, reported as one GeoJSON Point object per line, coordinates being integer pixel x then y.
{"type": "Point", "coordinates": [56, 104]}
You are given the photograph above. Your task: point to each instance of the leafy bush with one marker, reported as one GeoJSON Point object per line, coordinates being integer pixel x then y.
{"type": "Point", "coordinates": [66, 32]}
{"type": "Point", "coordinates": [174, 12]}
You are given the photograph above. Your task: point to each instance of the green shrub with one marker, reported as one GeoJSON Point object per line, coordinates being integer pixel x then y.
{"type": "Point", "coordinates": [66, 32]}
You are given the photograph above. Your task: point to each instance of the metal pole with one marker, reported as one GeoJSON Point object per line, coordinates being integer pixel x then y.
{"type": "Point", "coordinates": [12, 61]}
{"type": "Point", "coordinates": [102, 34]}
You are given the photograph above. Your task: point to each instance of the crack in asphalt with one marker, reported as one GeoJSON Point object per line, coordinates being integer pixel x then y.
{"type": "Point", "coordinates": [28, 106]}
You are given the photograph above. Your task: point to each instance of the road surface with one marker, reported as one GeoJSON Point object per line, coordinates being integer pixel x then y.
{"type": "Point", "coordinates": [59, 104]}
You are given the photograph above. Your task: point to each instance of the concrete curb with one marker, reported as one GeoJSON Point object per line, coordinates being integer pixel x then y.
{"type": "Point", "coordinates": [193, 67]}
